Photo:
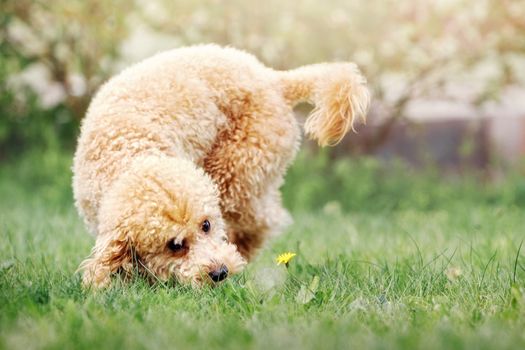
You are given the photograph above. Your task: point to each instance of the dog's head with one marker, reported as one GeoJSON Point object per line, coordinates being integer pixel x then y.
{"type": "Point", "coordinates": [162, 218]}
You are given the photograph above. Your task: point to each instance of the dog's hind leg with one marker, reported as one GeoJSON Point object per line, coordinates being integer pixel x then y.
{"type": "Point", "coordinates": [265, 217]}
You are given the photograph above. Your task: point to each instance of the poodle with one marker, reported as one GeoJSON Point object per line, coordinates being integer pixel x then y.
{"type": "Point", "coordinates": [180, 159]}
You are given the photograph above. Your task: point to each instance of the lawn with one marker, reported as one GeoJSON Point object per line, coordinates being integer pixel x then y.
{"type": "Point", "coordinates": [386, 258]}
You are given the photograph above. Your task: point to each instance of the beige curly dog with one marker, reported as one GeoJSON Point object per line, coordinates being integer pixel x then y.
{"type": "Point", "coordinates": [181, 156]}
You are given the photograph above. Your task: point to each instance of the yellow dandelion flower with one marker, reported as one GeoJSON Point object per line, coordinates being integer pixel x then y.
{"type": "Point", "coordinates": [285, 258]}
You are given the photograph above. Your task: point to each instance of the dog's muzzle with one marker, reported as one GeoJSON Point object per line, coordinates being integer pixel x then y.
{"type": "Point", "coordinates": [220, 274]}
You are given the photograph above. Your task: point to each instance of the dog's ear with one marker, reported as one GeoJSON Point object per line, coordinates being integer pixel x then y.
{"type": "Point", "coordinates": [107, 256]}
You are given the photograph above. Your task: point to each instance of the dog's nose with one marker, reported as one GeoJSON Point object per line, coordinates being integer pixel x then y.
{"type": "Point", "coordinates": [219, 274]}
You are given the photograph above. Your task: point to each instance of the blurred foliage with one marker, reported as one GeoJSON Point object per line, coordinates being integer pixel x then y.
{"type": "Point", "coordinates": [55, 54]}
{"type": "Point", "coordinates": [44, 174]}
{"type": "Point", "coordinates": [366, 184]}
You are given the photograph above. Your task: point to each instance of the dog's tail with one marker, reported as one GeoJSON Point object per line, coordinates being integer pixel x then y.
{"type": "Point", "coordinates": [339, 93]}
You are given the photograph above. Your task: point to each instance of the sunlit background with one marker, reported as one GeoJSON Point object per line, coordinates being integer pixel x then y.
{"type": "Point", "coordinates": [447, 76]}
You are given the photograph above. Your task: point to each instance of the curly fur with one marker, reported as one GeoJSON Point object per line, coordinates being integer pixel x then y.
{"type": "Point", "coordinates": [339, 94]}
{"type": "Point", "coordinates": [193, 134]}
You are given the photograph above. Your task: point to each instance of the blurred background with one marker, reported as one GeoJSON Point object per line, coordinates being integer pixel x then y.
{"type": "Point", "coordinates": [447, 78]}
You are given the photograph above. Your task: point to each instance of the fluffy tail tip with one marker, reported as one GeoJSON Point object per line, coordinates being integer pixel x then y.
{"type": "Point", "coordinates": [340, 97]}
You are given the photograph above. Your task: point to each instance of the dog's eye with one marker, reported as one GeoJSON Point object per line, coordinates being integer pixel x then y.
{"type": "Point", "coordinates": [206, 226]}
{"type": "Point", "coordinates": [176, 247]}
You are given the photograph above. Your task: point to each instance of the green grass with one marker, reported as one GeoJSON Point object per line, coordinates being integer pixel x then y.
{"type": "Point", "coordinates": [402, 260]}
